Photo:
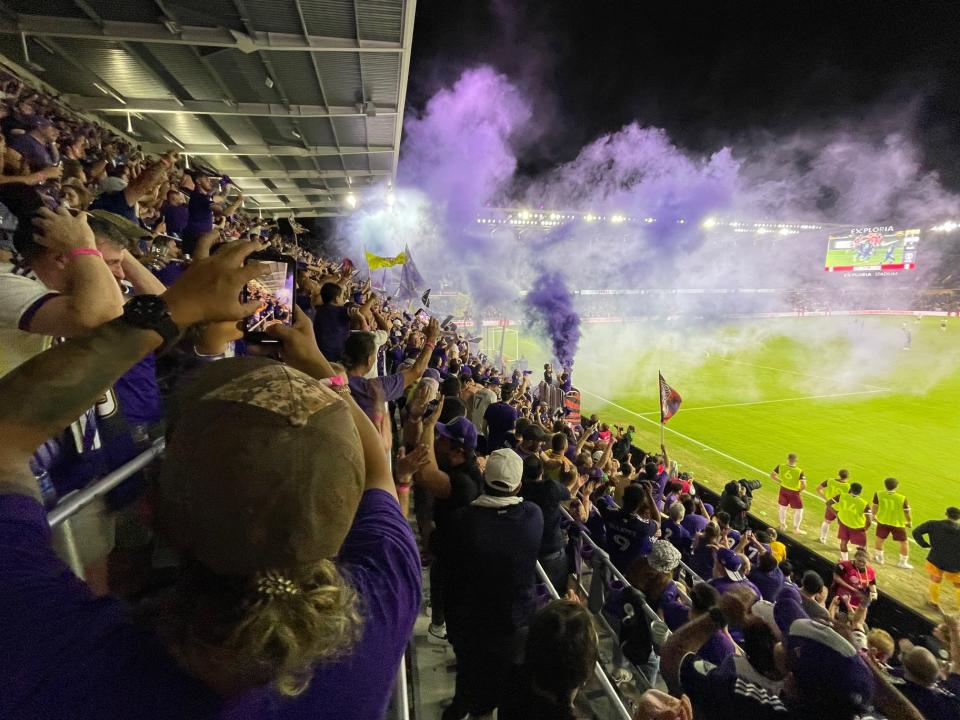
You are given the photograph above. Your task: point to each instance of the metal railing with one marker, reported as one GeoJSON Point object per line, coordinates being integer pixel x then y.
{"type": "Point", "coordinates": [75, 502]}
{"type": "Point", "coordinates": [608, 688]}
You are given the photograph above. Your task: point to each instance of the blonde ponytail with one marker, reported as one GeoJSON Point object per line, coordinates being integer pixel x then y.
{"type": "Point", "coordinates": [274, 627]}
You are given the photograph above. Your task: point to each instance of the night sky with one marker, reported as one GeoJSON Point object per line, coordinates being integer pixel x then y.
{"type": "Point", "coordinates": [709, 73]}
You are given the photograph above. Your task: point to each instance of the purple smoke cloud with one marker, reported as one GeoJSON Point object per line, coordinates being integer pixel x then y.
{"type": "Point", "coordinates": [549, 309]}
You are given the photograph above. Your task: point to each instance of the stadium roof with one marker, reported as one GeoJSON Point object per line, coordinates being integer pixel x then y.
{"type": "Point", "coordinates": [299, 101]}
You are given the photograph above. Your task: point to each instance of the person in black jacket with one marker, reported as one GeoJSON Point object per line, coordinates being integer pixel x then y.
{"type": "Point", "coordinates": [943, 561]}
{"type": "Point", "coordinates": [735, 501]}
{"type": "Point", "coordinates": [494, 544]}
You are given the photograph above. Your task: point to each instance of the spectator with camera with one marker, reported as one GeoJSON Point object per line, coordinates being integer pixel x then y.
{"type": "Point", "coordinates": [736, 499]}
{"type": "Point", "coordinates": [275, 607]}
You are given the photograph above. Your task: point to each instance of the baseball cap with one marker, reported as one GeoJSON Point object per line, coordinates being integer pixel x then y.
{"type": "Point", "coordinates": [460, 430]}
{"type": "Point", "coordinates": [492, 380]}
{"type": "Point", "coordinates": [597, 455]}
{"type": "Point", "coordinates": [828, 669]}
{"type": "Point", "coordinates": [731, 563]}
{"type": "Point", "coordinates": [263, 469]}
{"type": "Point", "coordinates": [130, 230]}
{"type": "Point", "coordinates": [535, 432]}
{"type": "Point", "coordinates": [663, 557]}
{"type": "Point", "coordinates": [35, 122]}
{"type": "Point", "coordinates": [431, 373]}
{"type": "Point", "coordinates": [503, 471]}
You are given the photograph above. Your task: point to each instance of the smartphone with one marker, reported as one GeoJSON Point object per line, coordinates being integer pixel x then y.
{"type": "Point", "coordinates": [275, 292]}
{"type": "Point", "coordinates": [422, 315]}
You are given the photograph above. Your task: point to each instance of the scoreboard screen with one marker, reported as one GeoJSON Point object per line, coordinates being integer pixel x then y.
{"type": "Point", "coordinates": [876, 249]}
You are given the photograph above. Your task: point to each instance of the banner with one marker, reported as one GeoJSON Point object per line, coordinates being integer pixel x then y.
{"type": "Point", "coordinates": [375, 262]}
{"type": "Point", "coordinates": [571, 407]}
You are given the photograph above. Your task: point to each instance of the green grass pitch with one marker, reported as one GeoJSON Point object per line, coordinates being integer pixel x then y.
{"type": "Point", "coordinates": [838, 391]}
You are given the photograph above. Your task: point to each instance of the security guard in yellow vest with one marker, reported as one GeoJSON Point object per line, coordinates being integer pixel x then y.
{"type": "Point", "coordinates": [831, 489]}
{"type": "Point", "coordinates": [892, 512]}
{"type": "Point", "coordinates": [792, 483]}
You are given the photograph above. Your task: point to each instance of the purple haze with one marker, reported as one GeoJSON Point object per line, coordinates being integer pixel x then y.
{"type": "Point", "coordinates": [460, 154]}
{"type": "Point", "coordinates": [549, 308]}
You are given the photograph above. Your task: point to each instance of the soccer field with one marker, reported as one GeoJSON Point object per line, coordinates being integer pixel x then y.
{"type": "Point", "coordinates": [841, 392]}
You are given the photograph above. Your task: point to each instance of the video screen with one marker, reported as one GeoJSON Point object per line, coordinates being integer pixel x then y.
{"type": "Point", "coordinates": [874, 249]}
{"type": "Point", "coordinates": [275, 293]}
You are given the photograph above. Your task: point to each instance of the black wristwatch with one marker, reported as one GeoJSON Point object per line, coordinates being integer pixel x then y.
{"type": "Point", "coordinates": [718, 618]}
{"type": "Point", "coordinates": [149, 312]}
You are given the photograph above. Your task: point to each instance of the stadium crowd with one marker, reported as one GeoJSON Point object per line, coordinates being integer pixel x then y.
{"type": "Point", "coordinates": [267, 565]}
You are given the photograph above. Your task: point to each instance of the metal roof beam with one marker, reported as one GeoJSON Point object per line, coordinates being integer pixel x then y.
{"type": "Point", "coordinates": [275, 150]}
{"type": "Point", "coordinates": [116, 31]}
{"type": "Point", "coordinates": [214, 107]}
{"type": "Point", "coordinates": [310, 174]}
{"type": "Point", "coordinates": [409, 15]}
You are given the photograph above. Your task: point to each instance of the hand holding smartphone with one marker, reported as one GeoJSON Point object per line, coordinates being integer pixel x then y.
{"type": "Point", "coordinates": [275, 292]}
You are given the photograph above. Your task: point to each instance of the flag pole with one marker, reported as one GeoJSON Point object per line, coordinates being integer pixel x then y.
{"type": "Point", "coordinates": [660, 400]}
{"type": "Point", "coordinates": [366, 261]}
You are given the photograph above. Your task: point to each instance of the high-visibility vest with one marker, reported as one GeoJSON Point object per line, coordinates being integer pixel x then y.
{"type": "Point", "coordinates": [836, 486]}
{"type": "Point", "coordinates": [890, 509]}
{"type": "Point", "coordinates": [851, 509]}
{"type": "Point", "coordinates": [789, 477]}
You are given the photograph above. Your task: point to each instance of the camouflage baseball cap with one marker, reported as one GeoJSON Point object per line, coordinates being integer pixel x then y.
{"type": "Point", "coordinates": [263, 470]}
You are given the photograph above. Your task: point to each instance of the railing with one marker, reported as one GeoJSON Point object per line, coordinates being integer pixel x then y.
{"type": "Point", "coordinates": [609, 690]}
{"type": "Point", "coordinates": [72, 504]}
{"type": "Point", "coordinates": [75, 502]}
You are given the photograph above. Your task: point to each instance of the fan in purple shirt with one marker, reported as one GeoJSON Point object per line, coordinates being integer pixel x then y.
{"type": "Point", "coordinates": [500, 418]}
{"type": "Point", "coordinates": [273, 576]}
{"type": "Point", "coordinates": [631, 528]}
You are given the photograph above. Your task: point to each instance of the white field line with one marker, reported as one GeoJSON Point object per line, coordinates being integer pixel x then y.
{"type": "Point", "coordinates": [765, 474]}
{"type": "Point", "coordinates": [792, 372]}
{"type": "Point", "coordinates": [768, 402]}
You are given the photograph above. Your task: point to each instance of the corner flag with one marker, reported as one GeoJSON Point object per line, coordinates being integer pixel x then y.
{"type": "Point", "coordinates": [669, 401]}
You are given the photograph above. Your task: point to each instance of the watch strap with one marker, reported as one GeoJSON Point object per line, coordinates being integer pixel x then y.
{"type": "Point", "coordinates": [149, 312]}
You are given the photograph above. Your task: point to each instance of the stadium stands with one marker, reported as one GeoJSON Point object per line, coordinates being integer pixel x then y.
{"type": "Point", "coordinates": [255, 515]}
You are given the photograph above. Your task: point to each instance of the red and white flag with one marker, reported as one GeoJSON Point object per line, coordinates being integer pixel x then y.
{"type": "Point", "coordinates": [669, 401]}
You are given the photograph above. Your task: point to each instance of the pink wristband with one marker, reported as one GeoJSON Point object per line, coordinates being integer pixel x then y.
{"type": "Point", "coordinates": [85, 251]}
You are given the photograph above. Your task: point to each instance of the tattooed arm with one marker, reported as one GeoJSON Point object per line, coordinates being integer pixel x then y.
{"type": "Point", "coordinates": [49, 391]}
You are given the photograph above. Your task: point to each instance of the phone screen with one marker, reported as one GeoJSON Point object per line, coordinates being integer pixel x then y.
{"type": "Point", "coordinates": [274, 291]}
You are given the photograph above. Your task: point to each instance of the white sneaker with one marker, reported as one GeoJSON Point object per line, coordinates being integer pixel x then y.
{"type": "Point", "coordinates": [437, 634]}
{"type": "Point", "coordinates": [905, 564]}
{"type": "Point", "coordinates": [878, 558]}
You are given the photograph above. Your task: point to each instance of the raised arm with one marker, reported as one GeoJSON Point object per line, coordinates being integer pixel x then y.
{"type": "Point", "coordinates": [52, 389]}
{"type": "Point", "coordinates": [431, 476]}
{"type": "Point", "coordinates": [92, 296]}
{"type": "Point", "coordinates": [412, 374]}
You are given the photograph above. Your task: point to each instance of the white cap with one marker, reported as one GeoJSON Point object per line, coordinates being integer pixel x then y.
{"type": "Point", "coordinates": [504, 470]}
{"type": "Point", "coordinates": [597, 455]}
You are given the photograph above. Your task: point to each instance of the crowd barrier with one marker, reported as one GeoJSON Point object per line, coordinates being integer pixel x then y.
{"type": "Point", "coordinates": [399, 708]}
{"type": "Point", "coordinates": [607, 686]}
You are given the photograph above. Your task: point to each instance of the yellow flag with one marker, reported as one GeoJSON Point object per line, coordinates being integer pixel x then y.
{"type": "Point", "coordinates": [375, 261]}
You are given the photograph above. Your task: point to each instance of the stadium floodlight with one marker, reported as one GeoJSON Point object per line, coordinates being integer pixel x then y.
{"type": "Point", "coordinates": [350, 200]}
{"type": "Point", "coordinates": [709, 223]}
{"type": "Point", "coordinates": [391, 199]}
{"type": "Point", "coordinates": [616, 219]}
{"type": "Point", "coordinates": [948, 226]}
{"type": "Point", "coordinates": [589, 217]}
